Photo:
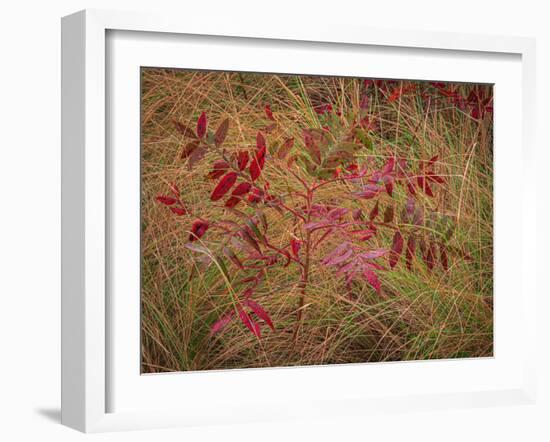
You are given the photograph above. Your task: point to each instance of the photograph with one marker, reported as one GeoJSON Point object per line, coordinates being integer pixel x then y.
{"type": "Point", "coordinates": [306, 220]}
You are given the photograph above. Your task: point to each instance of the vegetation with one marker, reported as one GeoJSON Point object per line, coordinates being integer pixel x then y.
{"type": "Point", "coordinates": [298, 220]}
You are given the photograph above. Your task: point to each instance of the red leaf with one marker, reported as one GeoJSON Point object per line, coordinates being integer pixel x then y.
{"type": "Point", "coordinates": [241, 189]}
{"type": "Point", "coordinates": [388, 214]}
{"type": "Point", "coordinates": [388, 167]}
{"type": "Point", "coordinates": [369, 191]}
{"type": "Point", "coordinates": [221, 323]}
{"type": "Point", "coordinates": [220, 167]}
{"type": "Point", "coordinates": [423, 184]}
{"type": "Point", "coordinates": [429, 258]}
{"type": "Point", "coordinates": [198, 229]}
{"type": "Point", "coordinates": [411, 246]}
{"type": "Point", "coordinates": [223, 186]}
{"type": "Point", "coordinates": [232, 257]}
{"type": "Point", "coordinates": [249, 239]}
{"type": "Point", "coordinates": [357, 214]}
{"type": "Point", "coordinates": [196, 156]}
{"type": "Point", "coordinates": [395, 94]}
{"type": "Point", "coordinates": [435, 178]}
{"type": "Point", "coordinates": [249, 323]}
{"type": "Point", "coordinates": [388, 184]}
{"type": "Point", "coordinates": [433, 159]}
{"type": "Point", "coordinates": [184, 130]}
{"type": "Point", "coordinates": [396, 249]}
{"type": "Point", "coordinates": [178, 210]}
{"type": "Point", "coordinates": [259, 311]}
{"type": "Point", "coordinates": [323, 108]}
{"type": "Point", "coordinates": [338, 258]}
{"type": "Point", "coordinates": [255, 196]}
{"type": "Point", "coordinates": [201, 125]}
{"type": "Point", "coordinates": [285, 148]}
{"type": "Point", "coordinates": [242, 159]}
{"type": "Point", "coordinates": [311, 146]}
{"type": "Point", "coordinates": [175, 189]}
{"type": "Point", "coordinates": [268, 112]}
{"type": "Point", "coordinates": [257, 163]}
{"type": "Point", "coordinates": [260, 141]}
{"type": "Point", "coordinates": [372, 279]}
{"type": "Point", "coordinates": [295, 244]}
{"type": "Point", "coordinates": [166, 200]}
{"type": "Point", "coordinates": [374, 212]}
{"type": "Point", "coordinates": [221, 132]}
{"type": "Point", "coordinates": [188, 149]}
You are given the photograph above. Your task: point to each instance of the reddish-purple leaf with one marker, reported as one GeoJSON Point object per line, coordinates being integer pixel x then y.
{"type": "Point", "coordinates": [295, 245]}
{"type": "Point", "coordinates": [249, 323]}
{"type": "Point", "coordinates": [388, 167]}
{"type": "Point", "coordinates": [175, 189]}
{"type": "Point", "coordinates": [249, 239]}
{"type": "Point", "coordinates": [388, 214]}
{"type": "Point", "coordinates": [232, 257]}
{"type": "Point", "coordinates": [198, 229]}
{"type": "Point", "coordinates": [236, 195]}
{"type": "Point", "coordinates": [223, 186]}
{"type": "Point", "coordinates": [364, 234]}
{"type": "Point", "coordinates": [342, 248]}
{"type": "Point", "coordinates": [357, 214]}
{"type": "Point", "coordinates": [178, 210]}
{"type": "Point", "coordinates": [221, 323]}
{"type": "Point", "coordinates": [372, 279]}
{"type": "Point", "coordinates": [396, 249]}
{"type": "Point", "coordinates": [285, 148]}
{"type": "Point", "coordinates": [429, 257]}
{"type": "Point", "coordinates": [435, 178]}
{"type": "Point", "coordinates": [257, 163]}
{"type": "Point", "coordinates": [374, 212]}
{"type": "Point", "coordinates": [311, 146]}
{"type": "Point", "coordinates": [196, 156]}
{"type": "Point", "coordinates": [423, 184]}
{"type": "Point", "coordinates": [337, 213]}
{"type": "Point", "coordinates": [369, 191]}
{"type": "Point", "coordinates": [184, 130]}
{"type": "Point", "coordinates": [388, 184]}
{"type": "Point", "coordinates": [260, 141]}
{"type": "Point", "coordinates": [259, 311]}
{"type": "Point", "coordinates": [323, 108]}
{"type": "Point", "coordinates": [166, 200]}
{"type": "Point", "coordinates": [201, 125]}
{"type": "Point", "coordinates": [373, 254]}
{"type": "Point", "coordinates": [188, 149]}
{"type": "Point", "coordinates": [255, 196]}
{"type": "Point", "coordinates": [338, 259]}
{"type": "Point", "coordinates": [269, 112]}
{"type": "Point", "coordinates": [220, 167]}
{"type": "Point", "coordinates": [221, 133]}
{"type": "Point", "coordinates": [242, 159]}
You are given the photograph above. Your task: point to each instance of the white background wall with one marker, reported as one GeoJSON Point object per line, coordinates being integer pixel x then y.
{"type": "Point", "coordinates": [30, 215]}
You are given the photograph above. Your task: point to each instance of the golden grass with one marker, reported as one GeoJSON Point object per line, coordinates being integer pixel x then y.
{"type": "Point", "coordinates": [418, 315]}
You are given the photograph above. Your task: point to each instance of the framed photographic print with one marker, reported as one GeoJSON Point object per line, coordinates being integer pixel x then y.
{"type": "Point", "coordinates": [319, 222]}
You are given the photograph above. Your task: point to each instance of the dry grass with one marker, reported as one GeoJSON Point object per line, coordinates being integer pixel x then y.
{"type": "Point", "coordinates": [418, 315]}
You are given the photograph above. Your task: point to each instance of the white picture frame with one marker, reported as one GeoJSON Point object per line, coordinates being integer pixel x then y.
{"type": "Point", "coordinates": [87, 229]}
